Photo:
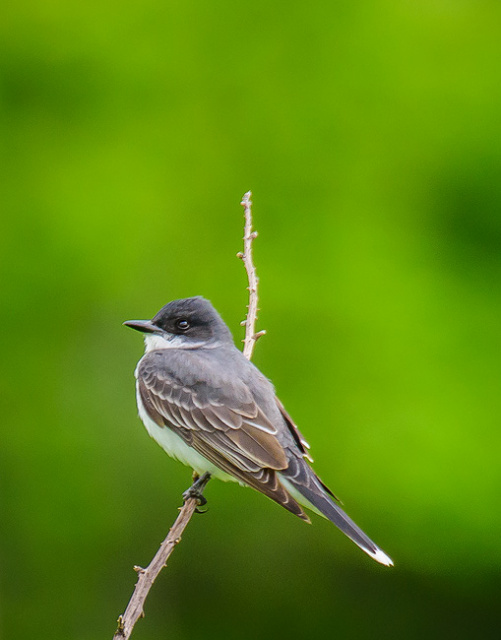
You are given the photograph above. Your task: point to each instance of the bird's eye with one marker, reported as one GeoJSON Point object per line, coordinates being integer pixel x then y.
{"type": "Point", "coordinates": [182, 324]}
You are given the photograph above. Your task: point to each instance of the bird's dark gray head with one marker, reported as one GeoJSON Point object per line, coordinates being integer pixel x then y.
{"type": "Point", "coordinates": [188, 323]}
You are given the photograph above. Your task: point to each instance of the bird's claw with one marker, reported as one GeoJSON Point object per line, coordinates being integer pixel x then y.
{"type": "Point", "coordinates": [195, 491]}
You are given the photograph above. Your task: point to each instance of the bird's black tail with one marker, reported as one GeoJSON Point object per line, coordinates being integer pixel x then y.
{"type": "Point", "coordinates": [309, 491]}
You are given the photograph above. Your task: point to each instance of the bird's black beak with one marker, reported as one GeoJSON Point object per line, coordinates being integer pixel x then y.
{"type": "Point", "coordinates": [146, 326]}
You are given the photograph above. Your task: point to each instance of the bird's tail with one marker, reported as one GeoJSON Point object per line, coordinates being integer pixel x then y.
{"type": "Point", "coordinates": [308, 490]}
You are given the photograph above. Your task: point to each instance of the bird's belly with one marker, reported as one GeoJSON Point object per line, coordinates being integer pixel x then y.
{"type": "Point", "coordinates": [177, 448]}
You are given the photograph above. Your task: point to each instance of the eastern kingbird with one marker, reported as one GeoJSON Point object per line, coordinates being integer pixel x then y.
{"type": "Point", "coordinates": [213, 410]}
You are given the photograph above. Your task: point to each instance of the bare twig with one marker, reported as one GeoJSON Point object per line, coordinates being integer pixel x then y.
{"type": "Point", "coordinates": [148, 576]}
{"type": "Point", "coordinates": [250, 336]}
{"type": "Point", "coordinates": [135, 608]}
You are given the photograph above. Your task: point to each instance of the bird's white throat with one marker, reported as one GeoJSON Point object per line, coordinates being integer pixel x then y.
{"type": "Point", "coordinates": [154, 341]}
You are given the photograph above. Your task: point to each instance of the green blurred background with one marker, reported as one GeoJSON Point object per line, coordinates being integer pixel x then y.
{"type": "Point", "coordinates": [370, 134]}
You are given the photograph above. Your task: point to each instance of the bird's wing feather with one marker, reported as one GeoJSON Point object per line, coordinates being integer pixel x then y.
{"type": "Point", "coordinates": [230, 430]}
{"type": "Point", "coordinates": [300, 440]}
{"type": "Point", "coordinates": [260, 447]}
{"type": "Point", "coordinates": [303, 446]}
{"type": "Point", "coordinates": [264, 480]}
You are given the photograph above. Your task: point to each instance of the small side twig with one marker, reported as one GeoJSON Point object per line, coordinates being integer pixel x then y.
{"type": "Point", "coordinates": [250, 335]}
{"type": "Point", "coordinates": [135, 608]}
{"type": "Point", "coordinates": [148, 576]}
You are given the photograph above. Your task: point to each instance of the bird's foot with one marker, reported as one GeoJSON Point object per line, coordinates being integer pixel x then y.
{"type": "Point", "coordinates": [196, 491]}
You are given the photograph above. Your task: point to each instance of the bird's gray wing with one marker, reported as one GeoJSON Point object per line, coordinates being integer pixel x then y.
{"type": "Point", "coordinates": [299, 439]}
{"type": "Point", "coordinates": [217, 416]}
{"type": "Point", "coordinates": [301, 473]}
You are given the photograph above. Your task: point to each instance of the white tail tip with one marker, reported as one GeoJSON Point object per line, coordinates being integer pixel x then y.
{"type": "Point", "coordinates": [381, 557]}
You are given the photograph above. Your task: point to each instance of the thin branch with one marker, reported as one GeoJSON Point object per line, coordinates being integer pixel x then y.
{"type": "Point", "coordinates": [148, 576]}
{"type": "Point", "coordinates": [135, 608]}
{"type": "Point", "coordinates": [250, 336]}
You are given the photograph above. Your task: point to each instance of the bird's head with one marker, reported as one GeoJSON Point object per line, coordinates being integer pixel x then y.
{"type": "Point", "coordinates": [188, 323]}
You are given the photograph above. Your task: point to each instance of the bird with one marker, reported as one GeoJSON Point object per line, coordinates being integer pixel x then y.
{"type": "Point", "coordinates": [212, 409]}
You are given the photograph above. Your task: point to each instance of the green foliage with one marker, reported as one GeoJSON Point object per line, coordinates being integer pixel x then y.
{"type": "Point", "coordinates": [370, 136]}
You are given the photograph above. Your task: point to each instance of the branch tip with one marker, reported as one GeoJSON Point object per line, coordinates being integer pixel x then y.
{"type": "Point", "coordinates": [246, 199]}
{"type": "Point", "coordinates": [249, 236]}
